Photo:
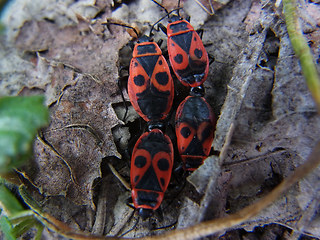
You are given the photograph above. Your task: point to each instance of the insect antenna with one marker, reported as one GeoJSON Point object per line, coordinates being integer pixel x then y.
{"type": "Point", "coordinates": [178, 12]}
{"type": "Point", "coordinates": [168, 13]}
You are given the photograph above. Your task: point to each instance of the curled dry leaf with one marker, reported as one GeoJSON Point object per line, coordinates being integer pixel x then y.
{"type": "Point", "coordinates": [75, 98]}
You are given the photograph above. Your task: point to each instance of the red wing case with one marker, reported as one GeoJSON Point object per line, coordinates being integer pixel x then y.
{"type": "Point", "coordinates": [188, 57]}
{"type": "Point", "coordinates": [195, 126]}
{"type": "Point", "coordinates": [151, 167]}
{"type": "Point", "coordinates": [150, 85]}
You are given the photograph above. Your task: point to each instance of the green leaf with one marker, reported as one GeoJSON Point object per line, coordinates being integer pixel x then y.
{"type": "Point", "coordinates": [24, 226]}
{"type": "Point", "coordinates": [9, 201]}
{"type": "Point", "coordinates": [6, 228]}
{"type": "Point", "coordinates": [20, 117]}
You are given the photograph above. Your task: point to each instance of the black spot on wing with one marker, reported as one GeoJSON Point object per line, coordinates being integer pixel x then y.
{"type": "Point", "coordinates": [163, 164]}
{"type": "Point", "coordinates": [140, 161]}
{"type": "Point", "coordinates": [185, 132]}
{"type": "Point", "coordinates": [139, 80]}
{"type": "Point", "coordinates": [162, 78]}
{"type": "Point", "coordinates": [178, 58]}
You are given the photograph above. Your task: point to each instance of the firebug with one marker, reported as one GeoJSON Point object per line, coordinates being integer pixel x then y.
{"type": "Point", "coordinates": [195, 126]}
{"type": "Point", "coordinates": [187, 54]}
{"type": "Point", "coordinates": [150, 85]}
{"type": "Point", "coordinates": [150, 173]}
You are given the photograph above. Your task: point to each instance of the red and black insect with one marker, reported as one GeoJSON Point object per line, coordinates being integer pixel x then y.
{"type": "Point", "coordinates": [151, 167]}
{"type": "Point", "coordinates": [151, 92]}
{"type": "Point", "coordinates": [195, 126]}
{"type": "Point", "coordinates": [150, 85]}
{"type": "Point", "coordinates": [195, 121]}
{"type": "Point", "coordinates": [187, 54]}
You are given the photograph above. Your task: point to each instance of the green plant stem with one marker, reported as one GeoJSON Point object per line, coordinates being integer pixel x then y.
{"type": "Point", "coordinates": [302, 50]}
{"type": "Point", "coordinates": [40, 228]}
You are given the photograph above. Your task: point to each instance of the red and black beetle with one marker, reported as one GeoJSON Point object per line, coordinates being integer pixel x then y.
{"type": "Point", "coordinates": [150, 173]}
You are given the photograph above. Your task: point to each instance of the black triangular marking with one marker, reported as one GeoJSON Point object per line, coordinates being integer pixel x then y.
{"type": "Point", "coordinates": [148, 63]}
{"type": "Point", "coordinates": [149, 181]}
{"type": "Point", "coordinates": [195, 148]}
{"type": "Point", "coordinates": [183, 40]}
